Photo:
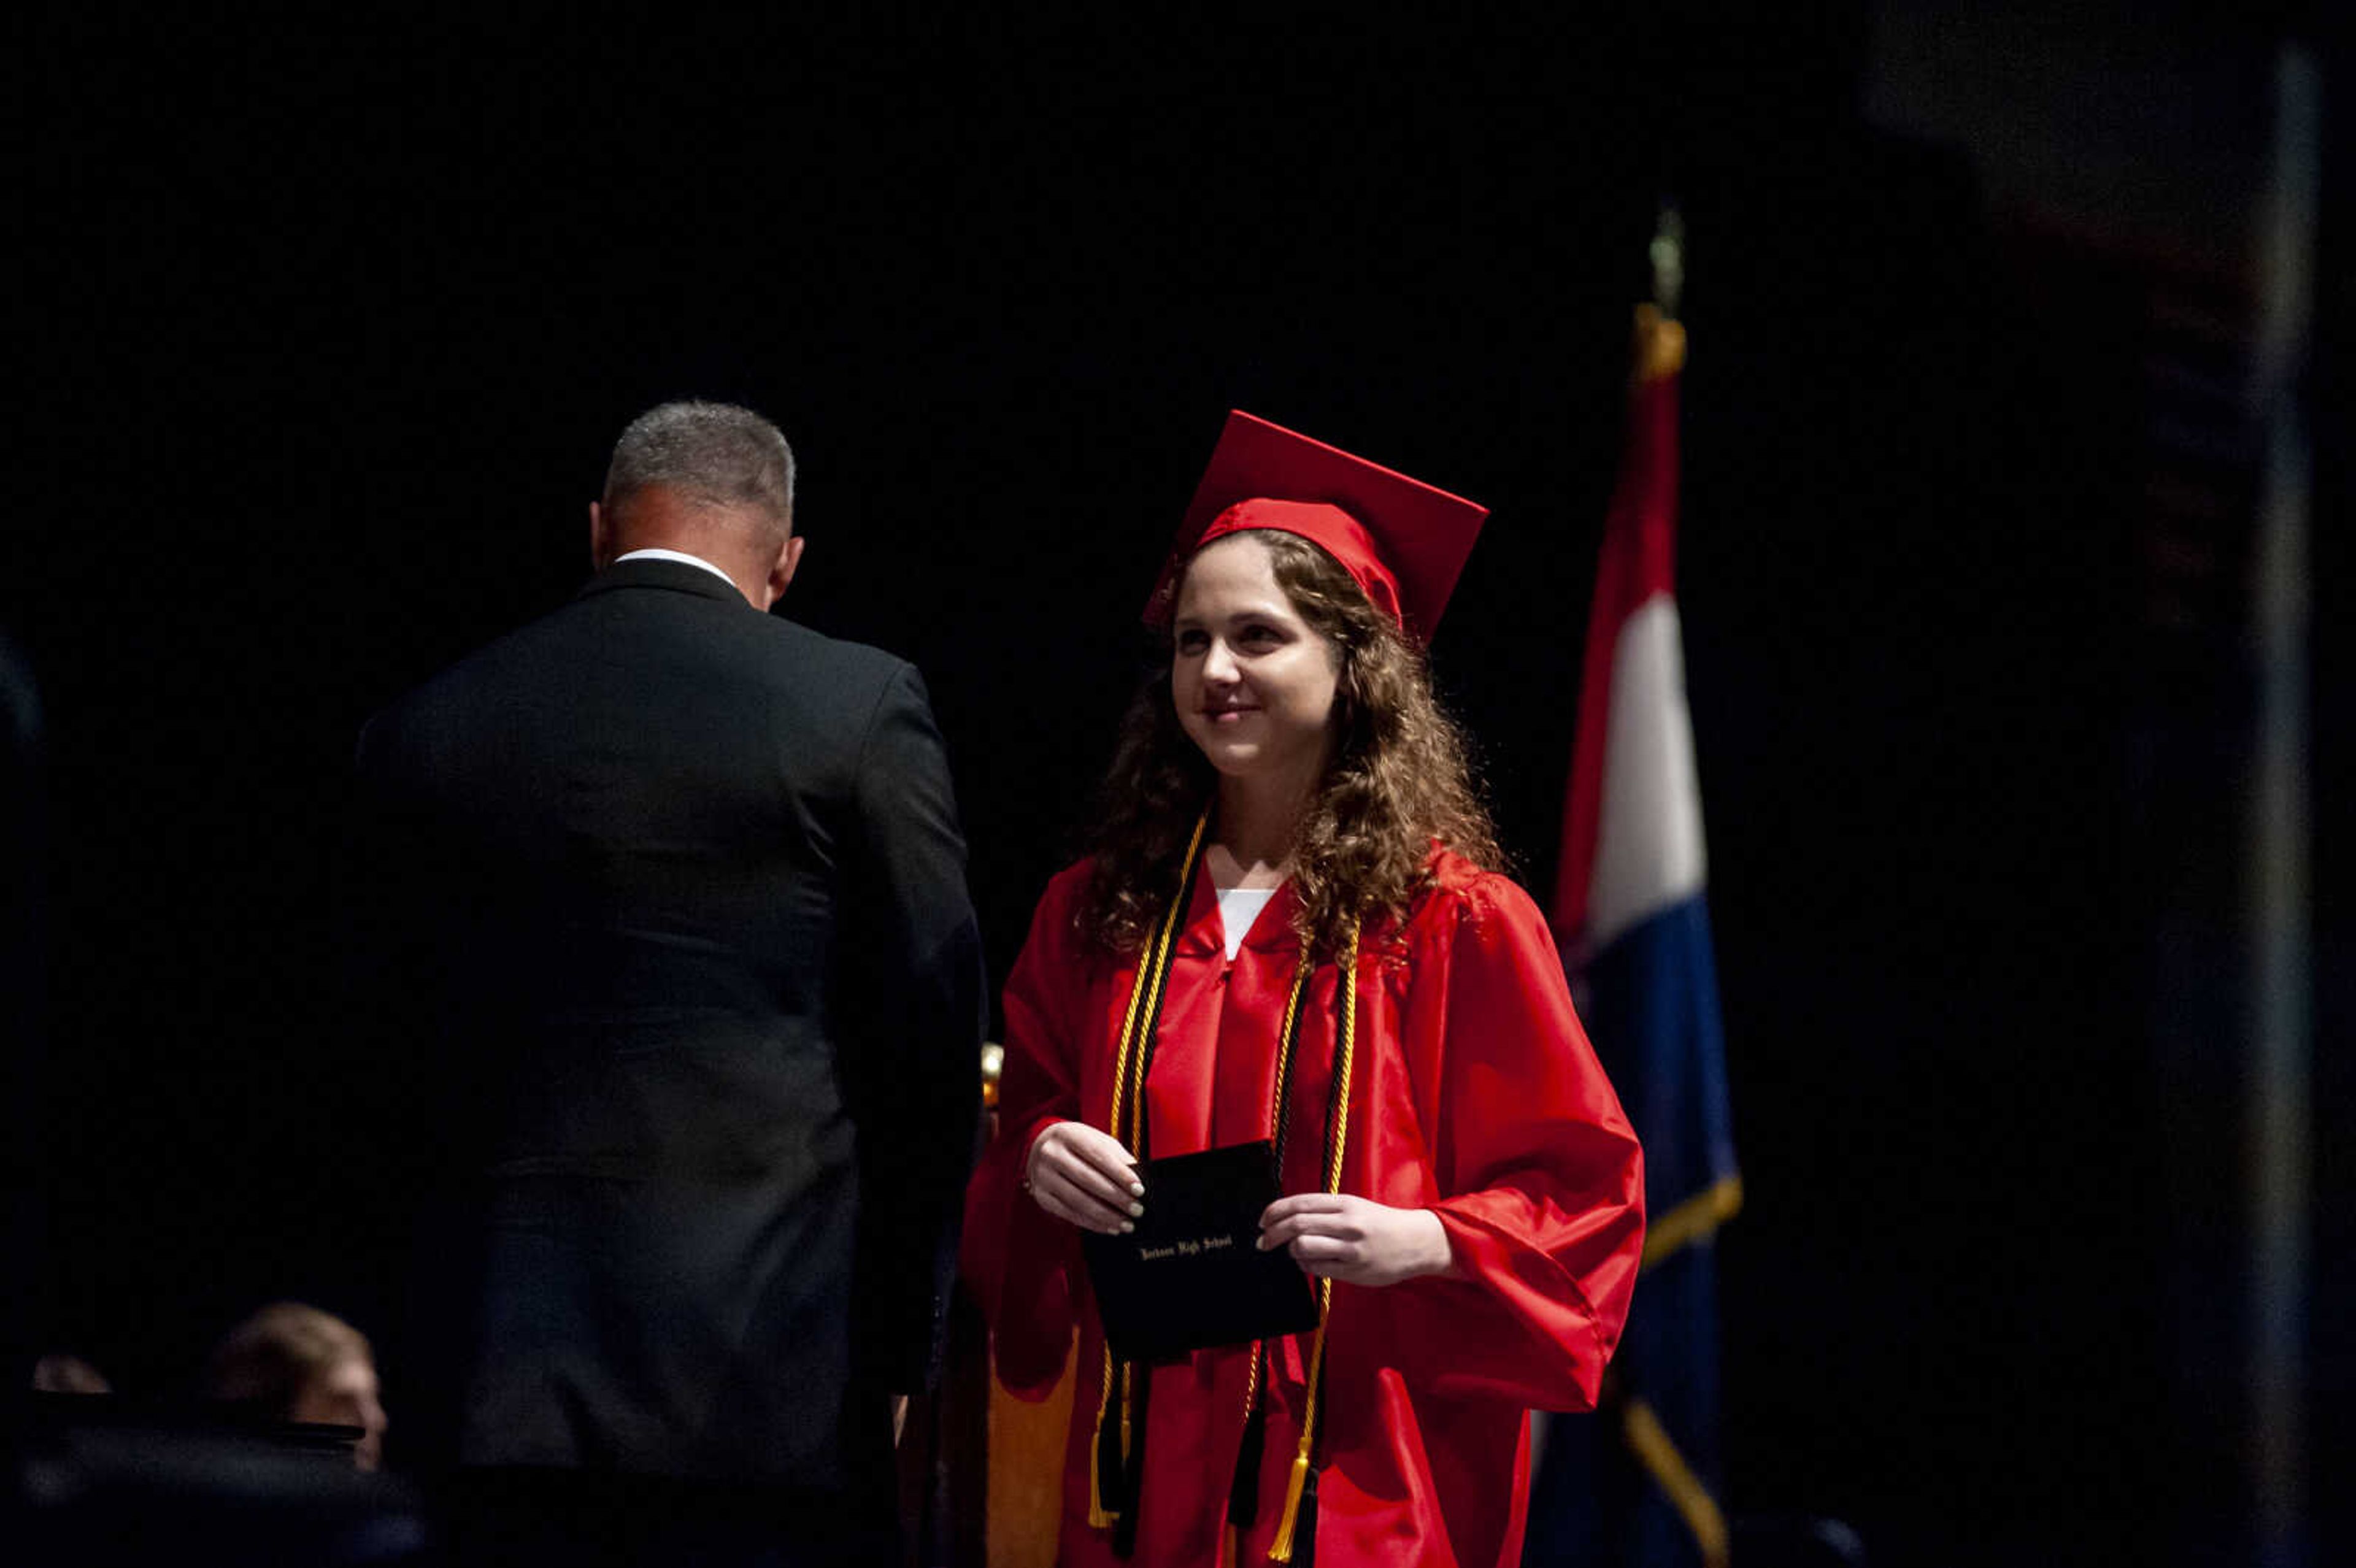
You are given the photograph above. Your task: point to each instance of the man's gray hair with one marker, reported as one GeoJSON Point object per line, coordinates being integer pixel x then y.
{"type": "Point", "coordinates": [715, 451]}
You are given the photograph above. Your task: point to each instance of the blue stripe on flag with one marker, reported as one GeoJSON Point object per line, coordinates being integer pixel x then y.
{"type": "Point", "coordinates": [1650, 1004]}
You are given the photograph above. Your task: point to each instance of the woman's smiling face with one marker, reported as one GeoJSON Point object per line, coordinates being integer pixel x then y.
{"type": "Point", "coordinates": [1252, 681]}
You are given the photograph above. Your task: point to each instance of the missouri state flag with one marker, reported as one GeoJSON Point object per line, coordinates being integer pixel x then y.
{"type": "Point", "coordinates": [1637, 1483]}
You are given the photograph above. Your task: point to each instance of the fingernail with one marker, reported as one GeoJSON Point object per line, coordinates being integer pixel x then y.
{"type": "Point", "coordinates": [1135, 1210]}
{"type": "Point", "coordinates": [1126, 1227]}
{"type": "Point", "coordinates": [1136, 1190]}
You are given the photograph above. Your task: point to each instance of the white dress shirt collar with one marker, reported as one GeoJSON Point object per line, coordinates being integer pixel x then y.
{"type": "Point", "coordinates": [682, 557]}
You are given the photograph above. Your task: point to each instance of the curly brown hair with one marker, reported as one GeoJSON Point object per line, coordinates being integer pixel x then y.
{"type": "Point", "coordinates": [1399, 780]}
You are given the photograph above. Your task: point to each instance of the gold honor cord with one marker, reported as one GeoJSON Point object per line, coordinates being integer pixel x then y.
{"type": "Point", "coordinates": [1243, 1491]}
{"type": "Point", "coordinates": [1132, 1063]}
{"type": "Point", "coordinates": [1127, 1094]}
{"type": "Point", "coordinates": [1280, 1549]}
{"type": "Point", "coordinates": [1277, 1116]}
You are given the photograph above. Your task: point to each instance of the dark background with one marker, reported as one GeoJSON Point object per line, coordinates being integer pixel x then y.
{"type": "Point", "coordinates": [330, 329]}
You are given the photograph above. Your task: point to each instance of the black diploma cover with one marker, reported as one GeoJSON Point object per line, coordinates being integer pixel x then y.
{"type": "Point", "coordinates": [1192, 1274]}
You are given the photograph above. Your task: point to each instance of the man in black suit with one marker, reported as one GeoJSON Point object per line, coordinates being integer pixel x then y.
{"type": "Point", "coordinates": [682, 885]}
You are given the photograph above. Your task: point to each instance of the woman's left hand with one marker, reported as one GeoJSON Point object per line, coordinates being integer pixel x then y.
{"type": "Point", "coordinates": [1356, 1240]}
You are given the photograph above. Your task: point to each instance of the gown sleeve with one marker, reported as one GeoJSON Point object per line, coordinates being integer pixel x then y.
{"type": "Point", "coordinates": [1020, 1260]}
{"type": "Point", "coordinates": [1540, 1178]}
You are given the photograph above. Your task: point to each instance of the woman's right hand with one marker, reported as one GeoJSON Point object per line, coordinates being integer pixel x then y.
{"type": "Point", "coordinates": [1077, 1173]}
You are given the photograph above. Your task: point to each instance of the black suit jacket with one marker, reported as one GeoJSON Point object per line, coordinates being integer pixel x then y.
{"type": "Point", "coordinates": [668, 896]}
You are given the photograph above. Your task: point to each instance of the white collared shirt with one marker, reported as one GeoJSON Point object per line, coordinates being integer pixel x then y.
{"type": "Point", "coordinates": [682, 557]}
{"type": "Point", "coordinates": [1238, 908]}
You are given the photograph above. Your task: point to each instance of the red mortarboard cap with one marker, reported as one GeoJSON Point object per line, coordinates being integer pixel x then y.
{"type": "Point", "coordinates": [1404, 541]}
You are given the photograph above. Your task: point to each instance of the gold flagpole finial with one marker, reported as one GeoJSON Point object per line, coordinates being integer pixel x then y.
{"type": "Point", "coordinates": [1668, 253]}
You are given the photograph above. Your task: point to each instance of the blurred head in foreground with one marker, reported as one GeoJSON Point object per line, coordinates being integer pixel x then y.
{"type": "Point", "coordinates": [294, 1362]}
{"type": "Point", "coordinates": [59, 1372]}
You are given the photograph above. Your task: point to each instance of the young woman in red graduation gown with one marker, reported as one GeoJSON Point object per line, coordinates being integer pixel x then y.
{"type": "Point", "coordinates": [1481, 1223]}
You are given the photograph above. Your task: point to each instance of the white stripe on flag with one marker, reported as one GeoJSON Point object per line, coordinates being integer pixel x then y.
{"type": "Point", "coordinates": [1648, 842]}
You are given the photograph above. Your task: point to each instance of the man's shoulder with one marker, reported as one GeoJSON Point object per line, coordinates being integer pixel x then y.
{"type": "Point", "coordinates": [835, 681]}
{"type": "Point", "coordinates": [486, 665]}
{"type": "Point", "coordinates": [608, 627]}
{"type": "Point", "coordinates": [816, 648]}
{"type": "Point", "coordinates": [665, 659]}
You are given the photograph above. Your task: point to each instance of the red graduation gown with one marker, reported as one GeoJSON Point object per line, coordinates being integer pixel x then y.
{"type": "Point", "coordinates": [1475, 1094]}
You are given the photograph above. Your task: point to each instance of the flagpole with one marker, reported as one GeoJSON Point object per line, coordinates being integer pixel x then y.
{"type": "Point", "coordinates": [1634, 1483]}
{"type": "Point", "coordinates": [2279, 1116]}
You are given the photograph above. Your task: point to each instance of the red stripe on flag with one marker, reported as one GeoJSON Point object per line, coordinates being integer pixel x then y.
{"type": "Point", "coordinates": [1637, 561]}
